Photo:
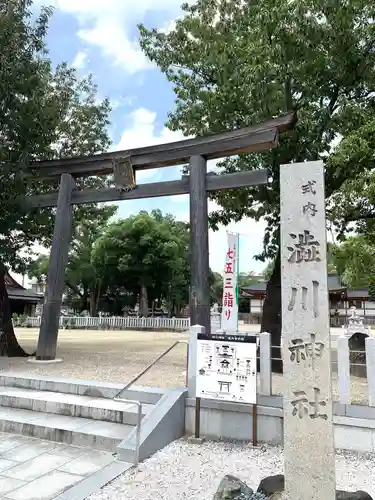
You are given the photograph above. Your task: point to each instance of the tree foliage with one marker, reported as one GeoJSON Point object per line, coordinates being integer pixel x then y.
{"type": "Point", "coordinates": [114, 266]}
{"type": "Point", "coordinates": [235, 63]}
{"type": "Point", "coordinates": [352, 208]}
{"type": "Point", "coordinates": [84, 287]}
{"type": "Point", "coordinates": [216, 288]}
{"type": "Point", "coordinates": [46, 112]}
{"type": "Point", "coordinates": [354, 260]}
{"type": "Point", "coordinates": [371, 290]}
{"type": "Point", "coordinates": [148, 254]}
{"type": "Point", "coordinates": [268, 270]}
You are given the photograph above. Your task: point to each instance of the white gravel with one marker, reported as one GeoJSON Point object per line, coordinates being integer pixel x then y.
{"type": "Point", "coordinates": [183, 471]}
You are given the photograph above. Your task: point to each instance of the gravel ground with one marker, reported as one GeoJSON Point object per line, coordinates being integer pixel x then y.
{"type": "Point", "coordinates": [359, 388]}
{"type": "Point", "coordinates": [183, 471]}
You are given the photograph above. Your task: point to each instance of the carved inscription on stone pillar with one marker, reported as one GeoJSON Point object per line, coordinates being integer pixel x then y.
{"type": "Point", "coordinates": [308, 432]}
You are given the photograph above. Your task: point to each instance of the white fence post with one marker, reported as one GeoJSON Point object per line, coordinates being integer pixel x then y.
{"type": "Point", "coordinates": [370, 367]}
{"type": "Point", "coordinates": [343, 369]}
{"type": "Point", "coordinates": [215, 322]}
{"type": "Point", "coordinates": [265, 374]}
{"type": "Point", "coordinates": [192, 358]}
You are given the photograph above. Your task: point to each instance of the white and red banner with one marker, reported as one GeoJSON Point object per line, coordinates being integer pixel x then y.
{"type": "Point", "coordinates": [229, 314]}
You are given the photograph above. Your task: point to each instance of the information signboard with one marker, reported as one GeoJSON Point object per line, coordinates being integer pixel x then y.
{"type": "Point", "coordinates": [227, 368]}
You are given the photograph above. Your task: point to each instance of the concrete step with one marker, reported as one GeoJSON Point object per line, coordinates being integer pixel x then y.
{"type": "Point", "coordinates": [71, 405]}
{"type": "Point", "coordinates": [64, 429]}
{"type": "Point", "coordinates": [92, 388]}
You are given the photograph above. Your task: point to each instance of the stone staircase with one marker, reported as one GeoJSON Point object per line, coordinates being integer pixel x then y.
{"type": "Point", "coordinates": [84, 413]}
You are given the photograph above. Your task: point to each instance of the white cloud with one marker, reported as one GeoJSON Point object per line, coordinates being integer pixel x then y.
{"type": "Point", "coordinates": [80, 60]}
{"type": "Point", "coordinates": [121, 101]}
{"type": "Point", "coordinates": [142, 131]}
{"type": "Point", "coordinates": [168, 27]}
{"type": "Point", "coordinates": [115, 45]}
{"type": "Point", "coordinates": [109, 25]}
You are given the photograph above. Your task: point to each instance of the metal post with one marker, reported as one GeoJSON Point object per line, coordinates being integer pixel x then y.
{"type": "Point", "coordinates": [200, 290]}
{"type": "Point", "coordinates": [138, 433]}
{"type": "Point", "coordinates": [49, 327]}
{"type": "Point", "coordinates": [197, 418]}
{"type": "Point", "coordinates": [187, 366]}
{"type": "Point", "coordinates": [255, 426]}
{"type": "Point", "coordinates": [370, 367]}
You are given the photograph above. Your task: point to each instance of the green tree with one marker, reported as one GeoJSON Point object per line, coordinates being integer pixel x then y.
{"type": "Point", "coordinates": [354, 260]}
{"type": "Point", "coordinates": [38, 269]}
{"type": "Point", "coordinates": [216, 288]}
{"type": "Point", "coordinates": [331, 261]}
{"type": "Point", "coordinates": [235, 63]}
{"type": "Point", "coordinates": [246, 279]}
{"type": "Point", "coordinates": [268, 270]}
{"type": "Point", "coordinates": [371, 290]}
{"type": "Point", "coordinates": [352, 207]}
{"type": "Point", "coordinates": [147, 254]}
{"type": "Point", "coordinates": [176, 290]}
{"type": "Point", "coordinates": [84, 288]}
{"type": "Point", "coordinates": [45, 113]}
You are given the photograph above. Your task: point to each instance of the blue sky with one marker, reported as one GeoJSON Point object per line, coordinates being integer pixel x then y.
{"type": "Point", "coordinates": [100, 37]}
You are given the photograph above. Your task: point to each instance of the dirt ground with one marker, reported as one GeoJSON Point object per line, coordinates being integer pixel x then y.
{"type": "Point", "coordinates": [114, 356]}
{"type": "Point", "coordinates": [118, 356]}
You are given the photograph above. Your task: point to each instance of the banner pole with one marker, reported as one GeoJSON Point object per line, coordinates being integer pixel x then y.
{"type": "Point", "coordinates": [238, 278]}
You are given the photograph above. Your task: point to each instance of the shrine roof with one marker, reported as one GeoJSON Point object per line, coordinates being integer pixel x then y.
{"type": "Point", "coordinates": [18, 292]}
{"type": "Point", "coordinates": [24, 295]}
{"type": "Point", "coordinates": [11, 282]}
{"type": "Point", "coordinates": [335, 285]}
{"type": "Point", "coordinates": [358, 293]}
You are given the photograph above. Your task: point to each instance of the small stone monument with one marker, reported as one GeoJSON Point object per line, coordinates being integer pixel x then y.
{"type": "Point", "coordinates": [357, 332]}
{"type": "Point", "coordinates": [355, 324]}
{"type": "Point", "coordinates": [215, 318]}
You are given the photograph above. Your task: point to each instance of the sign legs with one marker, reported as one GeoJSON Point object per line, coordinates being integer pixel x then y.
{"type": "Point", "coordinates": [49, 327]}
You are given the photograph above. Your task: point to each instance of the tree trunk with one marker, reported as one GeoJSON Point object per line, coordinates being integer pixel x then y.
{"type": "Point", "coordinates": [9, 345]}
{"type": "Point", "coordinates": [98, 290]}
{"type": "Point", "coordinates": [271, 317]}
{"type": "Point", "coordinates": [92, 303]}
{"type": "Point", "coordinates": [172, 308]}
{"type": "Point", "coordinates": [143, 302]}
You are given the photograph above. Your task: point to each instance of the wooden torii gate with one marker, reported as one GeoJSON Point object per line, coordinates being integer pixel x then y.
{"type": "Point", "coordinates": [125, 165]}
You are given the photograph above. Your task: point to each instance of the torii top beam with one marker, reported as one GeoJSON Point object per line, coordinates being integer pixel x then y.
{"type": "Point", "coordinates": [251, 139]}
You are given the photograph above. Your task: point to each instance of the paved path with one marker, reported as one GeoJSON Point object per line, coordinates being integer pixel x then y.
{"type": "Point", "coordinates": [32, 469]}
